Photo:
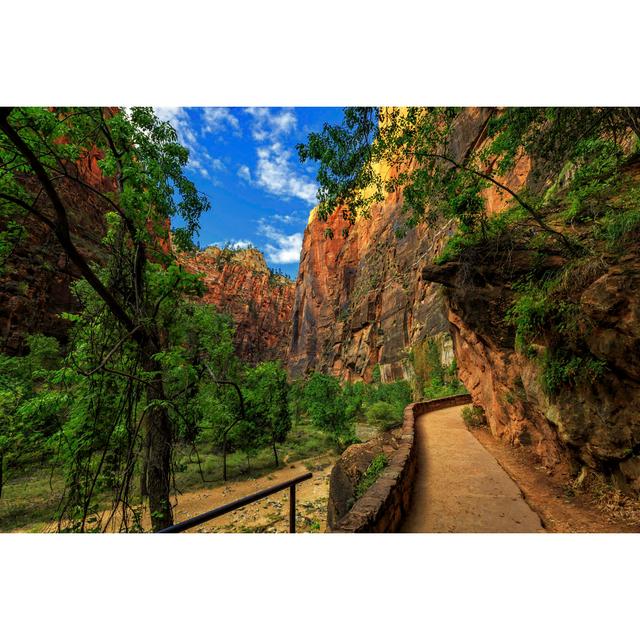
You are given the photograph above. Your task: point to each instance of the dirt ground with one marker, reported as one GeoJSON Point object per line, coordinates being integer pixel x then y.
{"type": "Point", "coordinates": [561, 508]}
{"type": "Point", "coordinates": [269, 515]}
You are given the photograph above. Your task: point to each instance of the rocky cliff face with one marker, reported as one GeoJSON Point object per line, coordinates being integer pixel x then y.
{"type": "Point", "coordinates": [596, 425]}
{"type": "Point", "coordinates": [240, 283]}
{"type": "Point", "coordinates": [35, 282]}
{"type": "Point", "coordinates": [361, 300]}
{"type": "Point", "coordinates": [369, 297]}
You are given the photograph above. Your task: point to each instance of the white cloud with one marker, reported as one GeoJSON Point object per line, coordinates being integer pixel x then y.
{"type": "Point", "coordinates": [200, 160]}
{"type": "Point", "coordinates": [284, 248]}
{"type": "Point", "coordinates": [269, 124]}
{"type": "Point", "coordinates": [218, 119]}
{"type": "Point", "coordinates": [233, 244]}
{"type": "Point", "coordinates": [244, 172]}
{"type": "Point", "coordinates": [276, 174]}
{"type": "Point", "coordinates": [287, 218]}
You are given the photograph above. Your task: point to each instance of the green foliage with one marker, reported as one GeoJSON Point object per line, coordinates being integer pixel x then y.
{"type": "Point", "coordinates": [619, 228]}
{"type": "Point", "coordinates": [596, 166]}
{"type": "Point", "coordinates": [353, 394]}
{"type": "Point", "coordinates": [495, 229]}
{"type": "Point", "coordinates": [586, 146]}
{"type": "Point", "coordinates": [344, 153]}
{"type": "Point", "coordinates": [266, 394]}
{"type": "Point", "coordinates": [433, 379]}
{"type": "Point", "coordinates": [28, 412]}
{"type": "Point", "coordinates": [543, 316]}
{"type": "Point", "coordinates": [474, 417]}
{"type": "Point", "coordinates": [383, 414]}
{"type": "Point", "coordinates": [562, 368]}
{"type": "Point", "coordinates": [123, 362]}
{"type": "Point", "coordinates": [373, 472]}
{"type": "Point", "coordinates": [327, 409]}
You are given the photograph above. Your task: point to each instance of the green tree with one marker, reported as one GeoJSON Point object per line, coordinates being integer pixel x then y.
{"type": "Point", "coordinates": [21, 378]}
{"type": "Point", "coordinates": [328, 410]}
{"type": "Point", "coordinates": [421, 144]}
{"type": "Point", "coordinates": [131, 300]}
{"type": "Point", "coordinates": [266, 392]}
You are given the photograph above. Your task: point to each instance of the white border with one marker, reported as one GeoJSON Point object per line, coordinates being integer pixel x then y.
{"type": "Point", "coordinates": [331, 53]}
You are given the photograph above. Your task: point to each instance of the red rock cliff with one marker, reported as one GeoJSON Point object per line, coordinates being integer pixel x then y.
{"type": "Point", "coordinates": [361, 300]}
{"type": "Point", "coordinates": [366, 299]}
{"type": "Point", "coordinates": [240, 283]}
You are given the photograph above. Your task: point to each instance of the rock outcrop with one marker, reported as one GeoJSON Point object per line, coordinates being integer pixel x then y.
{"type": "Point", "coordinates": [260, 302]}
{"type": "Point", "coordinates": [597, 424]}
{"type": "Point", "coordinates": [361, 299]}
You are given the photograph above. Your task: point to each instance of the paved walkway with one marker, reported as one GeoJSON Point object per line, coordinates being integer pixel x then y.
{"type": "Point", "coordinates": [459, 486]}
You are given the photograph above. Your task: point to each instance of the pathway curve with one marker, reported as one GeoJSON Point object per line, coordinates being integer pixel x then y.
{"type": "Point", "coordinates": [459, 486]}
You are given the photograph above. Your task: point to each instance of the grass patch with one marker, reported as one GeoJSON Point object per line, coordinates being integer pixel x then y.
{"type": "Point", "coordinates": [373, 472]}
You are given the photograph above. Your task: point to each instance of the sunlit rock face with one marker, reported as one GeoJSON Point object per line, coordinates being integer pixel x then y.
{"type": "Point", "coordinates": [361, 300]}
{"type": "Point", "coordinates": [240, 284]}
{"type": "Point", "coordinates": [367, 298]}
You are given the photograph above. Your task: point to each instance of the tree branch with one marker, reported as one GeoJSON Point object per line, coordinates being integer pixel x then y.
{"type": "Point", "coordinates": [525, 205]}
{"type": "Point", "coordinates": [61, 227]}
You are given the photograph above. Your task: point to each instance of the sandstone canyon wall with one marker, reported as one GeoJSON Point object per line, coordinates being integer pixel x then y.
{"type": "Point", "coordinates": [368, 298]}
{"type": "Point", "coordinates": [361, 299]}
{"type": "Point", "coordinates": [260, 302]}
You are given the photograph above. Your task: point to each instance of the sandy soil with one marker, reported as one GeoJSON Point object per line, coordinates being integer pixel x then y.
{"type": "Point", "coordinates": [269, 515]}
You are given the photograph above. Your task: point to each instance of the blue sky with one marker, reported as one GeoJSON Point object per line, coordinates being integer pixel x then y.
{"type": "Point", "coordinates": [245, 160]}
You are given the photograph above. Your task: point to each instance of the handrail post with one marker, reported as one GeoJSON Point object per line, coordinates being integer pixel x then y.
{"type": "Point", "coordinates": [243, 502]}
{"type": "Point", "coordinates": [292, 508]}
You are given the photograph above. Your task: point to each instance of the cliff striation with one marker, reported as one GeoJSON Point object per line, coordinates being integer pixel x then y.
{"type": "Point", "coordinates": [260, 302]}
{"type": "Point", "coordinates": [361, 300]}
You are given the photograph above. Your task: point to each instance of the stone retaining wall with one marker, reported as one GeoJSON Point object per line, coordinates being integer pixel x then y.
{"type": "Point", "coordinates": [382, 508]}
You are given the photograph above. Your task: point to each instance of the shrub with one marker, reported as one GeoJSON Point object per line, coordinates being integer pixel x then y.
{"type": "Point", "coordinates": [373, 472]}
{"type": "Point", "coordinates": [561, 368]}
{"type": "Point", "coordinates": [384, 414]}
{"type": "Point", "coordinates": [327, 409]}
{"type": "Point", "coordinates": [474, 417]}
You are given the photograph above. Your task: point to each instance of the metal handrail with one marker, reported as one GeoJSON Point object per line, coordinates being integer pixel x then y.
{"type": "Point", "coordinates": [242, 502]}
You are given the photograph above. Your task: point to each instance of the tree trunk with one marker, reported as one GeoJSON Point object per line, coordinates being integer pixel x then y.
{"type": "Point", "coordinates": [159, 444]}
{"type": "Point", "coordinates": [224, 458]}
{"type": "Point", "coordinates": [144, 491]}
{"type": "Point", "coordinates": [275, 453]}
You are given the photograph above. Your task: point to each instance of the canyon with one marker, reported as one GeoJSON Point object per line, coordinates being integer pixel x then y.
{"type": "Point", "coordinates": [36, 282]}
{"type": "Point", "coordinates": [369, 295]}
{"type": "Point", "coordinates": [240, 284]}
